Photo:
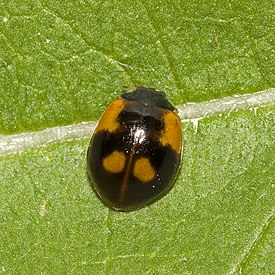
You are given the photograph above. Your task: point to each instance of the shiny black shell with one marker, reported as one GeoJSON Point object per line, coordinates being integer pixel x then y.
{"type": "Point", "coordinates": [135, 151]}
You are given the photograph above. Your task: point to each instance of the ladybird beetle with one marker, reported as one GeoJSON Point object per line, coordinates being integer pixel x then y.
{"type": "Point", "coordinates": [135, 151]}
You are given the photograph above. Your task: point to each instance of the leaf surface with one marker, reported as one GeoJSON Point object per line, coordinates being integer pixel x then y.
{"type": "Point", "coordinates": [63, 62]}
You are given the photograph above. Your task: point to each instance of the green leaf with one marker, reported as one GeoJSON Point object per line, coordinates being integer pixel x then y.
{"type": "Point", "coordinates": [63, 62]}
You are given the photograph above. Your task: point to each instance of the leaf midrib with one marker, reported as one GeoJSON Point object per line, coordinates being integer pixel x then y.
{"type": "Point", "coordinates": [193, 112]}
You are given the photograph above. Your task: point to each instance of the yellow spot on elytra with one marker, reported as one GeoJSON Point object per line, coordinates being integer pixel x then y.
{"type": "Point", "coordinates": [143, 170]}
{"type": "Point", "coordinates": [172, 134]}
{"type": "Point", "coordinates": [108, 121]}
{"type": "Point", "coordinates": [114, 162]}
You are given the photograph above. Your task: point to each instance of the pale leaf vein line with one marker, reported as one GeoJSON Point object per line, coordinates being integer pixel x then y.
{"type": "Point", "coordinates": [17, 143]}
{"type": "Point", "coordinates": [237, 269]}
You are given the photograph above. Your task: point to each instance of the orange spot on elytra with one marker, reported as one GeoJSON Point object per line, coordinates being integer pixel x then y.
{"type": "Point", "coordinates": [108, 121]}
{"type": "Point", "coordinates": [114, 162]}
{"type": "Point", "coordinates": [143, 170]}
{"type": "Point", "coordinates": [172, 134]}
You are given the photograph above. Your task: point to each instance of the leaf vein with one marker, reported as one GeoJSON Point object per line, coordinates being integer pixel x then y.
{"type": "Point", "coordinates": [252, 43]}
{"type": "Point", "coordinates": [255, 242]}
{"type": "Point", "coordinates": [164, 48]}
{"type": "Point", "coordinates": [118, 64]}
{"type": "Point", "coordinates": [10, 144]}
